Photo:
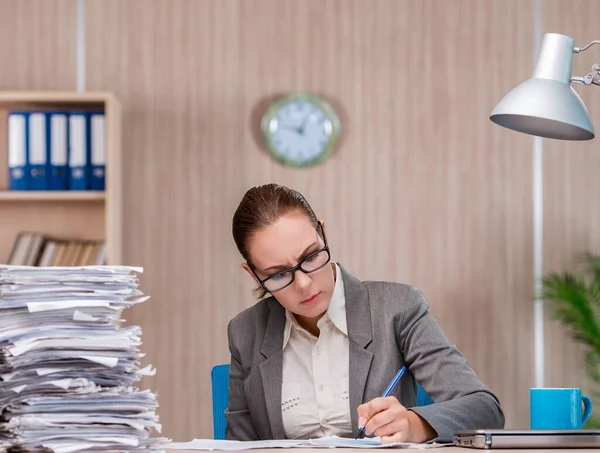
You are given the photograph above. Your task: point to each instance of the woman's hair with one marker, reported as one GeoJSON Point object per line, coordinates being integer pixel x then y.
{"type": "Point", "coordinates": [262, 206]}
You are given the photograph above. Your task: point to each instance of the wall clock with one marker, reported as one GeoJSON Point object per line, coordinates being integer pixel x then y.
{"type": "Point", "coordinates": [301, 130]}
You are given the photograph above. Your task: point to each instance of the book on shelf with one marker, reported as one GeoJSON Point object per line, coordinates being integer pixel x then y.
{"type": "Point", "coordinates": [37, 249]}
{"type": "Point", "coordinates": [56, 150]}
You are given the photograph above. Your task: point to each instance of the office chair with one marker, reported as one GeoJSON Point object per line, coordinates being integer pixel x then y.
{"type": "Point", "coordinates": [219, 377]}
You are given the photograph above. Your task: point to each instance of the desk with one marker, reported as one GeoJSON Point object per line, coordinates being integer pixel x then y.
{"type": "Point", "coordinates": [400, 450]}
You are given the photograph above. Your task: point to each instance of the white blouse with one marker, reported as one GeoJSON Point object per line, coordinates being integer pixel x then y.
{"type": "Point", "coordinates": [314, 394]}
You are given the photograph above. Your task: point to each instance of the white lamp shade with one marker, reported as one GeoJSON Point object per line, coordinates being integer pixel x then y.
{"type": "Point", "coordinates": [546, 105]}
{"type": "Point", "coordinates": [545, 108]}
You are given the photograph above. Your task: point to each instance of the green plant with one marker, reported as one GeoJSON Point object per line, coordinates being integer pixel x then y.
{"type": "Point", "coordinates": [575, 300]}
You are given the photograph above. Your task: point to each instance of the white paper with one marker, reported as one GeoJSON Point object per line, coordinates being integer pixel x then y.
{"type": "Point", "coordinates": [75, 269]}
{"type": "Point", "coordinates": [46, 371]}
{"type": "Point", "coordinates": [62, 383]}
{"type": "Point", "coordinates": [230, 445]}
{"type": "Point", "coordinates": [19, 388]}
{"type": "Point", "coordinates": [34, 307]}
{"type": "Point", "coordinates": [146, 371]}
{"type": "Point", "coordinates": [106, 361]}
{"type": "Point", "coordinates": [322, 442]}
{"type": "Point", "coordinates": [81, 316]}
{"type": "Point", "coordinates": [74, 343]}
{"type": "Point", "coordinates": [131, 441]}
{"type": "Point", "coordinates": [8, 376]}
{"type": "Point", "coordinates": [68, 447]}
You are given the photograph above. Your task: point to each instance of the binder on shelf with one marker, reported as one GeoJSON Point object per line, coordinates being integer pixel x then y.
{"type": "Point", "coordinates": [17, 150]}
{"type": "Point", "coordinates": [79, 151]}
{"type": "Point", "coordinates": [37, 164]}
{"type": "Point", "coordinates": [58, 150]}
{"type": "Point", "coordinates": [97, 153]}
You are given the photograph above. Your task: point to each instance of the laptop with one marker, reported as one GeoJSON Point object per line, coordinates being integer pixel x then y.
{"type": "Point", "coordinates": [524, 438]}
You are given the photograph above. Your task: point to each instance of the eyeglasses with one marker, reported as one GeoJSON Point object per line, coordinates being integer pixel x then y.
{"type": "Point", "coordinates": [311, 263]}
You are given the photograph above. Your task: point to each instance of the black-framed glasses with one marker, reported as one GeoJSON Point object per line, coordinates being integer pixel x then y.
{"type": "Point", "coordinates": [309, 264]}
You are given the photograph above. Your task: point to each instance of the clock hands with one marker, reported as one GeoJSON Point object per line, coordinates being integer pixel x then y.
{"type": "Point", "coordinates": [290, 127]}
{"type": "Point", "coordinates": [298, 129]}
{"type": "Point", "coordinates": [307, 119]}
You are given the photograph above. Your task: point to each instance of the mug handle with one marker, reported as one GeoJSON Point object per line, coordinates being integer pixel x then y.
{"type": "Point", "coordinates": [587, 409]}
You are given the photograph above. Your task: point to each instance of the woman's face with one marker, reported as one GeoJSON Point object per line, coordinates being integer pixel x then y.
{"type": "Point", "coordinates": [283, 245]}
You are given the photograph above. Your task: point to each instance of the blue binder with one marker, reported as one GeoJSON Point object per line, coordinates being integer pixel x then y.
{"type": "Point", "coordinates": [98, 151]}
{"type": "Point", "coordinates": [58, 150]}
{"type": "Point", "coordinates": [37, 157]}
{"type": "Point", "coordinates": [79, 151]}
{"type": "Point", "coordinates": [17, 150]}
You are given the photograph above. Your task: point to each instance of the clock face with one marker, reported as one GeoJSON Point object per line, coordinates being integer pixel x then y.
{"type": "Point", "coordinates": [301, 130]}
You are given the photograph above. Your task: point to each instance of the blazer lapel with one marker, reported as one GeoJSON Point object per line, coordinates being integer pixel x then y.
{"type": "Point", "coordinates": [358, 319]}
{"type": "Point", "coordinates": [271, 370]}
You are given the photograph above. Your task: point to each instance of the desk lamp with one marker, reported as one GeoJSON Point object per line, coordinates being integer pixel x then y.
{"type": "Point", "coordinates": [546, 105]}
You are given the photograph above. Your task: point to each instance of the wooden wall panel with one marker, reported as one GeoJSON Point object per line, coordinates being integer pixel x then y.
{"type": "Point", "coordinates": [571, 187]}
{"type": "Point", "coordinates": [37, 53]}
{"type": "Point", "coordinates": [38, 44]}
{"type": "Point", "coordinates": [424, 189]}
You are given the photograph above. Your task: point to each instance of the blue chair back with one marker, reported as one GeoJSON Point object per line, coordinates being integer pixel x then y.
{"type": "Point", "coordinates": [219, 377]}
{"type": "Point", "coordinates": [422, 396]}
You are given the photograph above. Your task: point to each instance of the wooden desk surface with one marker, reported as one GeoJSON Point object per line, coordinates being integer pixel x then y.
{"type": "Point", "coordinates": [399, 450]}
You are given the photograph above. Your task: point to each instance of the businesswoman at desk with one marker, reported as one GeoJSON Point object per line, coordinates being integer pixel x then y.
{"type": "Point", "coordinates": [314, 358]}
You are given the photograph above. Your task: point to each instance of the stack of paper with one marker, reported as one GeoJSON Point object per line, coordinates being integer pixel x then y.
{"type": "Point", "coordinates": [67, 366]}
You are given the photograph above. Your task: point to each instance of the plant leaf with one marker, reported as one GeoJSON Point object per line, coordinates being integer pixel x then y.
{"type": "Point", "coordinates": [570, 298]}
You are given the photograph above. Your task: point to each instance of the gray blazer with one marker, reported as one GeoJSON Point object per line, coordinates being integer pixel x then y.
{"type": "Point", "coordinates": [389, 325]}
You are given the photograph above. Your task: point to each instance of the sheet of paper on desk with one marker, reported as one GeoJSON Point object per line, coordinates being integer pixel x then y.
{"type": "Point", "coordinates": [323, 442]}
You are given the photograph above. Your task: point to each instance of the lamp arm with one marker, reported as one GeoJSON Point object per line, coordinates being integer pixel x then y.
{"type": "Point", "coordinates": [593, 77]}
{"type": "Point", "coordinates": [586, 47]}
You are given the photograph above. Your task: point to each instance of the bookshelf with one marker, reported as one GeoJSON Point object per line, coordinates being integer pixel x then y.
{"type": "Point", "coordinates": [7, 195]}
{"type": "Point", "coordinates": [82, 215]}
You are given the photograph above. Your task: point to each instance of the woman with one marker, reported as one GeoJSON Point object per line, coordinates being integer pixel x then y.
{"type": "Point", "coordinates": [314, 357]}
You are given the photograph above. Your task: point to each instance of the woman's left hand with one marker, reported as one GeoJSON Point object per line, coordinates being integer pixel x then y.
{"type": "Point", "coordinates": [392, 422]}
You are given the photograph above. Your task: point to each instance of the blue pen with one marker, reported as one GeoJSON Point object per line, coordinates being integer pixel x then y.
{"type": "Point", "coordinates": [387, 392]}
